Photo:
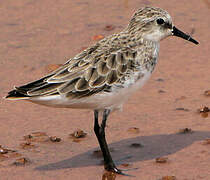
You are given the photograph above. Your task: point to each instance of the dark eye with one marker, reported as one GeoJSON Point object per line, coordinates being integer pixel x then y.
{"type": "Point", "coordinates": [160, 21]}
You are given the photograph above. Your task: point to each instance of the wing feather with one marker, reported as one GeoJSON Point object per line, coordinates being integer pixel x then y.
{"type": "Point", "coordinates": [92, 71]}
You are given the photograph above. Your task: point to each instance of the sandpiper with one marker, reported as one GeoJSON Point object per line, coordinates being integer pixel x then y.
{"type": "Point", "coordinates": [104, 76]}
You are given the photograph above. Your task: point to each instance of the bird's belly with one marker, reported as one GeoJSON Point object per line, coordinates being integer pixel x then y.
{"type": "Point", "coordinates": [104, 100]}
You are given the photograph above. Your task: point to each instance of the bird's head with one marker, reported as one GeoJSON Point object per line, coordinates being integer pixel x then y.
{"type": "Point", "coordinates": [154, 24]}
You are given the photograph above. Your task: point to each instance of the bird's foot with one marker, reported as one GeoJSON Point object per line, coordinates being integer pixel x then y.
{"type": "Point", "coordinates": [119, 171]}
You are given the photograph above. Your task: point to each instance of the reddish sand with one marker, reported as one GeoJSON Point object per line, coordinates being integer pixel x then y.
{"type": "Point", "coordinates": [35, 34]}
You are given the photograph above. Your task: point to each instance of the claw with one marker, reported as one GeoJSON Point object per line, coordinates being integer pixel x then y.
{"type": "Point", "coordinates": [130, 169]}
{"type": "Point", "coordinates": [119, 171]}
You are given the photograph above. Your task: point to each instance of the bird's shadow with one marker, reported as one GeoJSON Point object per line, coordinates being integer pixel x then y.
{"type": "Point", "coordinates": [153, 146]}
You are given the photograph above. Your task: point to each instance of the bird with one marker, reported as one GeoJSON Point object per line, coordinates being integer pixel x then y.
{"type": "Point", "coordinates": [102, 77]}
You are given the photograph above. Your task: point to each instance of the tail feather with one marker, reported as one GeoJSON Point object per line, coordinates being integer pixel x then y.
{"type": "Point", "coordinates": [33, 84]}
{"type": "Point", "coordinates": [16, 94]}
{"type": "Point", "coordinates": [32, 89]}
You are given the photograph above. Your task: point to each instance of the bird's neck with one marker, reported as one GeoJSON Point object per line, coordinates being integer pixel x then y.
{"type": "Point", "coordinates": [136, 40]}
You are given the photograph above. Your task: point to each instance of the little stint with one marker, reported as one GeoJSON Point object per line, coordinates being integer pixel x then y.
{"type": "Point", "coordinates": [104, 76]}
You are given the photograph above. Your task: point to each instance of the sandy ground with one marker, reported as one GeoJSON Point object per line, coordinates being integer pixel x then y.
{"type": "Point", "coordinates": [35, 34]}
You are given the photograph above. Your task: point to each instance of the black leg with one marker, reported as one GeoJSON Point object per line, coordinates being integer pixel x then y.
{"type": "Point", "coordinates": [100, 134]}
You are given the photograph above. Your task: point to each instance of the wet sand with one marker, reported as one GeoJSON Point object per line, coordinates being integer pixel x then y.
{"type": "Point", "coordinates": [37, 34]}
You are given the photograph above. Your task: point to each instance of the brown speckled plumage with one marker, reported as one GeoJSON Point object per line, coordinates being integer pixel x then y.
{"type": "Point", "coordinates": [97, 68]}
{"type": "Point", "coordinates": [114, 63]}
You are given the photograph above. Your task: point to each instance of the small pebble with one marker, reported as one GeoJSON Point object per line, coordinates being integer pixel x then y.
{"type": "Point", "coordinates": [161, 91]}
{"type": "Point", "coordinates": [3, 150]}
{"type": "Point", "coordinates": [136, 145]}
{"type": "Point", "coordinates": [207, 93]}
{"type": "Point", "coordinates": [168, 178]}
{"type": "Point", "coordinates": [8, 153]}
{"type": "Point", "coordinates": [27, 145]}
{"type": "Point", "coordinates": [78, 134]}
{"type": "Point", "coordinates": [109, 27]}
{"type": "Point", "coordinates": [55, 139]}
{"type": "Point", "coordinates": [160, 79]}
{"type": "Point", "coordinates": [109, 176]}
{"type": "Point", "coordinates": [21, 161]}
{"type": "Point", "coordinates": [182, 109]}
{"type": "Point", "coordinates": [134, 130]}
{"type": "Point", "coordinates": [125, 165]}
{"type": "Point", "coordinates": [185, 131]}
{"type": "Point", "coordinates": [37, 137]}
{"type": "Point", "coordinates": [206, 141]}
{"type": "Point", "coordinates": [161, 160]}
{"type": "Point", "coordinates": [97, 37]}
{"type": "Point", "coordinates": [204, 109]}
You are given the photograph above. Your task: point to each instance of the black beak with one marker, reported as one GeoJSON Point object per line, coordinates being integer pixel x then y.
{"type": "Point", "coordinates": [178, 33]}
